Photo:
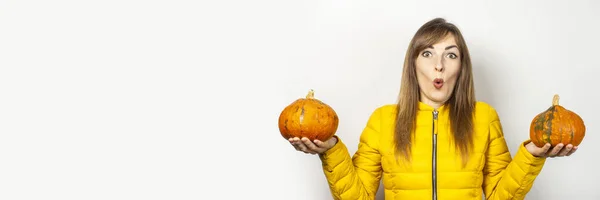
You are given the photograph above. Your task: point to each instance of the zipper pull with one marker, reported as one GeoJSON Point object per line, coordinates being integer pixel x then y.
{"type": "Point", "coordinates": [435, 114]}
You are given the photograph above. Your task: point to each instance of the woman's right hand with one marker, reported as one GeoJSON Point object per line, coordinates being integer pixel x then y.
{"type": "Point", "coordinates": [312, 147]}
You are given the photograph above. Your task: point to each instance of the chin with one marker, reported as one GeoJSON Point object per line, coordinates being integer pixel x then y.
{"type": "Point", "coordinates": [442, 100]}
{"type": "Point", "coordinates": [440, 96]}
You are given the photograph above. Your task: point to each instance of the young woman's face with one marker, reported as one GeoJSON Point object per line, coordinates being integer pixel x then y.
{"type": "Point", "coordinates": [438, 67]}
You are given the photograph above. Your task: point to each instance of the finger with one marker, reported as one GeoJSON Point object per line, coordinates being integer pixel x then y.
{"type": "Point", "coordinates": [303, 147]}
{"type": "Point", "coordinates": [311, 146]}
{"type": "Point", "coordinates": [555, 150]}
{"type": "Point", "coordinates": [572, 151]}
{"type": "Point", "coordinates": [300, 144]}
{"type": "Point", "coordinates": [320, 144]}
{"type": "Point", "coordinates": [544, 150]}
{"type": "Point", "coordinates": [565, 150]}
{"type": "Point", "coordinates": [295, 145]}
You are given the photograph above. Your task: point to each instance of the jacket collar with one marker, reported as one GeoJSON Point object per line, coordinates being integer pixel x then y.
{"type": "Point", "coordinates": [426, 107]}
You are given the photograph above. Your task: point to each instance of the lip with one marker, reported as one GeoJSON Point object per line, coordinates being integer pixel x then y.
{"type": "Point", "coordinates": [438, 83]}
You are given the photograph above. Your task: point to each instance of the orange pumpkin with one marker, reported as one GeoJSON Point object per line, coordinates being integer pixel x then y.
{"type": "Point", "coordinates": [557, 125]}
{"type": "Point", "coordinates": [308, 117]}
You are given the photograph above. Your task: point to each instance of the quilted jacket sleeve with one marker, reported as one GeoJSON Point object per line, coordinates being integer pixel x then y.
{"type": "Point", "coordinates": [357, 177]}
{"type": "Point", "coordinates": [506, 178]}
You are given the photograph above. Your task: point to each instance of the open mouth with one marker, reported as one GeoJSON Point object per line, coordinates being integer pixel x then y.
{"type": "Point", "coordinates": [438, 83]}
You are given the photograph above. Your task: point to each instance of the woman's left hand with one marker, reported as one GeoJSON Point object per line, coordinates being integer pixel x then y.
{"type": "Point", "coordinates": [558, 151]}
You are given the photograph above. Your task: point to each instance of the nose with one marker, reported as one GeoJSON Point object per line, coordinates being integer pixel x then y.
{"type": "Point", "coordinates": [439, 67]}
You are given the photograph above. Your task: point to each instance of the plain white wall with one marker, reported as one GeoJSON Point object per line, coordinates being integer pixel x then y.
{"type": "Point", "coordinates": [180, 99]}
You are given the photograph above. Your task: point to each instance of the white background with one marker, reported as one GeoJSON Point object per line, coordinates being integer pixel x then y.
{"type": "Point", "coordinates": [180, 99]}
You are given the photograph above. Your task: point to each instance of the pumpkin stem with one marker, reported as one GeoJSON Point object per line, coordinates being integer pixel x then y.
{"type": "Point", "coordinates": [311, 94]}
{"type": "Point", "coordinates": [555, 100]}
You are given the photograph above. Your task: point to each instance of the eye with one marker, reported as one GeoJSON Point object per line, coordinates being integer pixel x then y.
{"type": "Point", "coordinates": [452, 56]}
{"type": "Point", "coordinates": [426, 54]}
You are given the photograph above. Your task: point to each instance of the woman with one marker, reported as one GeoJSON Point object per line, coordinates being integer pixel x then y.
{"type": "Point", "coordinates": [437, 142]}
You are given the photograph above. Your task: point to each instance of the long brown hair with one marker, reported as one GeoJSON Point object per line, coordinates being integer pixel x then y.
{"type": "Point", "coordinates": [461, 103]}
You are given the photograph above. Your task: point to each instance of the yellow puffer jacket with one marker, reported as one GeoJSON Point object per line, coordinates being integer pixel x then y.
{"type": "Point", "coordinates": [436, 170]}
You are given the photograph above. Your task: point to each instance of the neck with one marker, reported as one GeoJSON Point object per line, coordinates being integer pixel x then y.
{"type": "Point", "coordinates": [434, 104]}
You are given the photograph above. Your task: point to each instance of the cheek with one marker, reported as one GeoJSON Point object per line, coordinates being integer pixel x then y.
{"type": "Point", "coordinates": [453, 69]}
{"type": "Point", "coordinates": [420, 65]}
{"type": "Point", "coordinates": [424, 68]}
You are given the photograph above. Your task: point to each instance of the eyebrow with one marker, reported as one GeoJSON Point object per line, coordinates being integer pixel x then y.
{"type": "Point", "coordinates": [448, 47]}
{"type": "Point", "coordinates": [453, 46]}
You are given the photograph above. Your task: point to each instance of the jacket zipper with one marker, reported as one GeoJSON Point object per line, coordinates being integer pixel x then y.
{"type": "Point", "coordinates": [434, 156]}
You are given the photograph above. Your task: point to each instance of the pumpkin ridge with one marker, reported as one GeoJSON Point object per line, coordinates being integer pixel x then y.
{"type": "Point", "coordinates": [540, 127]}
{"type": "Point", "coordinates": [302, 114]}
{"type": "Point", "coordinates": [560, 128]}
{"type": "Point", "coordinates": [550, 124]}
{"type": "Point", "coordinates": [301, 118]}
{"type": "Point", "coordinates": [542, 124]}
{"type": "Point", "coordinates": [572, 135]}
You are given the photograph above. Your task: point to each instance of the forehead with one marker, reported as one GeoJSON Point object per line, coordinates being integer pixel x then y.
{"type": "Point", "coordinates": [447, 40]}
